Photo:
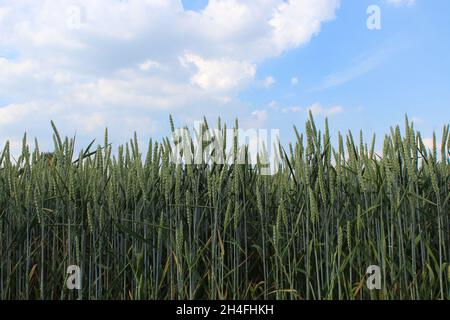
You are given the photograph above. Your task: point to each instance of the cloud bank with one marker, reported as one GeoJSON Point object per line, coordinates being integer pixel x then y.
{"type": "Point", "coordinates": [87, 64]}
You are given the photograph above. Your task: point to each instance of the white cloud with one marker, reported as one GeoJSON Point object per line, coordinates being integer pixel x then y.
{"type": "Point", "coordinates": [294, 109]}
{"type": "Point", "coordinates": [150, 64]}
{"type": "Point", "coordinates": [219, 74]}
{"type": "Point", "coordinates": [4, 11]}
{"type": "Point", "coordinates": [15, 112]}
{"type": "Point", "coordinates": [268, 82]}
{"type": "Point", "coordinates": [131, 90]}
{"type": "Point", "coordinates": [103, 67]}
{"type": "Point", "coordinates": [62, 78]}
{"type": "Point", "coordinates": [295, 81]}
{"type": "Point", "coordinates": [273, 105]}
{"type": "Point", "coordinates": [257, 119]}
{"type": "Point", "coordinates": [89, 122]}
{"type": "Point", "coordinates": [289, 31]}
{"type": "Point", "coordinates": [318, 109]}
{"type": "Point", "coordinates": [16, 71]}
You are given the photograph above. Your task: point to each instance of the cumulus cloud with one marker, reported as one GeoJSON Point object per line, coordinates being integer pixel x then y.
{"type": "Point", "coordinates": [295, 22]}
{"type": "Point", "coordinates": [16, 112]}
{"type": "Point", "coordinates": [108, 58]}
{"type": "Point", "coordinates": [219, 74]}
{"type": "Point", "coordinates": [318, 109]}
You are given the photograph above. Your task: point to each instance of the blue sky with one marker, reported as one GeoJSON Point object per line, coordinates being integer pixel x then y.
{"type": "Point", "coordinates": [129, 64]}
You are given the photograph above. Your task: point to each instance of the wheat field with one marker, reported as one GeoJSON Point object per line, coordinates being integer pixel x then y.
{"type": "Point", "coordinates": [142, 227]}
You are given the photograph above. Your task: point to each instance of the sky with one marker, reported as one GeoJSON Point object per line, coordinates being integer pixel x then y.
{"type": "Point", "coordinates": [128, 64]}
